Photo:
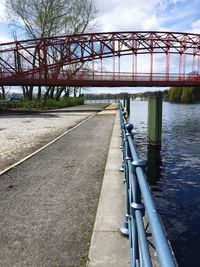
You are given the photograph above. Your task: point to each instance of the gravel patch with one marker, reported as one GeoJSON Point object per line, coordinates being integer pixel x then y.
{"type": "Point", "coordinates": [22, 134]}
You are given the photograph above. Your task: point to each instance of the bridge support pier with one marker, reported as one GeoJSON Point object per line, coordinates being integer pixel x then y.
{"type": "Point", "coordinates": [154, 135]}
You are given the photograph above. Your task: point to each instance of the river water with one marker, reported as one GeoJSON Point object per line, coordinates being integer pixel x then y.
{"type": "Point", "coordinates": [174, 174]}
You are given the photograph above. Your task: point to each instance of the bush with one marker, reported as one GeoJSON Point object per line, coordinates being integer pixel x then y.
{"type": "Point", "coordinates": [45, 104]}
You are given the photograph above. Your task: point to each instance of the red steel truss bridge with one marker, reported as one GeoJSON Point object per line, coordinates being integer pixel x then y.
{"type": "Point", "coordinates": [101, 59]}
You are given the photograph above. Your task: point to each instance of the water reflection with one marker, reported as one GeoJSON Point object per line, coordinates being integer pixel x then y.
{"type": "Point", "coordinates": [154, 163]}
{"type": "Point", "coordinates": [174, 174]}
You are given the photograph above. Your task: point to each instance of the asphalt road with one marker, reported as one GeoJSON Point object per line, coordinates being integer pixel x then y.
{"type": "Point", "coordinates": [48, 203]}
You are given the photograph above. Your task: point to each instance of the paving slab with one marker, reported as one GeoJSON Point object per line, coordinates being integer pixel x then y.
{"type": "Point", "coordinates": [109, 251]}
{"type": "Point", "coordinates": [110, 215]}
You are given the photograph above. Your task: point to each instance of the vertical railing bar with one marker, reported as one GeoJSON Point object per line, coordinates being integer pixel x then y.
{"type": "Point", "coordinates": [131, 238]}
{"type": "Point", "coordinates": [142, 240]}
{"type": "Point", "coordinates": [134, 238]}
{"type": "Point", "coordinates": [132, 181]}
{"type": "Point", "coordinates": [126, 171]}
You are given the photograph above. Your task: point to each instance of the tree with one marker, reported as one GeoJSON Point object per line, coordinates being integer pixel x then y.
{"type": "Point", "coordinates": [2, 92]}
{"type": "Point", "coordinates": [184, 94]}
{"type": "Point", "coordinates": [187, 95]}
{"type": "Point", "coordinates": [175, 94]}
{"type": "Point", "coordinates": [45, 18]}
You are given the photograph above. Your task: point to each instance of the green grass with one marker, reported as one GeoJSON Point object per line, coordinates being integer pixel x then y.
{"type": "Point", "coordinates": [44, 104]}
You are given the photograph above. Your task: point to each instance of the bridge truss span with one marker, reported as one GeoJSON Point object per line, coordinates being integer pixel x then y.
{"type": "Point", "coordinates": [103, 59]}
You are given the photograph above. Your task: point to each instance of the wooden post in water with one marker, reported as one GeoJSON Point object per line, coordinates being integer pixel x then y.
{"type": "Point", "coordinates": [128, 106]}
{"type": "Point", "coordinates": [124, 102]}
{"type": "Point", "coordinates": [154, 135]}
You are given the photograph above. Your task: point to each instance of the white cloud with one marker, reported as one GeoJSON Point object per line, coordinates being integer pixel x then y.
{"type": "Point", "coordinates": [3, 17]}
{"type": "Point", "coordinates": [195, 27]}
{"type": "Point", "coordinates": [136, 15]}
{"type": "Point", "coordinates": [129, 15]}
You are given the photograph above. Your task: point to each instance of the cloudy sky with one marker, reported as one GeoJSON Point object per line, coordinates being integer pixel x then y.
{"type": "Point", "coordinates": [136, 15]}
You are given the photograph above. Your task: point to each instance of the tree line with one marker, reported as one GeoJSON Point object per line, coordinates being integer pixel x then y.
{"type": "Point", "coordinates": [124, 95]}
{"type": "Point", "coordinates": [183, 94]}
{"type": "Point", "coordinates": [173, 94]}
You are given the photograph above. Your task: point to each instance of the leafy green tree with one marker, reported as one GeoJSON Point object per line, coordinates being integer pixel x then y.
{"type": "Point", "coordinates": [175, 94]}
{"type": "Point", "coordinates": [187, 95]}
{"type": "Point", "coordinates": [184, 94]}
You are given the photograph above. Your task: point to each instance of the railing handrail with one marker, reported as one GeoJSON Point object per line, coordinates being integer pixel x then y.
{"type": "Point", "coordinates": [139, 199]}
{"type": "Point", "coordinates": [98, 73]}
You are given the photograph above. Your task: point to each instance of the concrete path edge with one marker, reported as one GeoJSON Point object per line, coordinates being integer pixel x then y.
{"type": "Point", "coordinates": [108, 247]}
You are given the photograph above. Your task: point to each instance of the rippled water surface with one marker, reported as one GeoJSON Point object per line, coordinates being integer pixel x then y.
{"type": "Point", "coordinates": [174, 173]}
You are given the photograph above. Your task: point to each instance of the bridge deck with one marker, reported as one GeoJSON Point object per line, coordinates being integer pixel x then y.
{"type": "Point", "coordinates": [100, 80]}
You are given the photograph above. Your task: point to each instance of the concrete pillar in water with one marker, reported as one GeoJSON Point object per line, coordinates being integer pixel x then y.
{"type": "Point", "coordinates": [154, 135]}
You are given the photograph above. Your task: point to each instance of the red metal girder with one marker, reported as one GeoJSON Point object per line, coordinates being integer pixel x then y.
{"type": "Point", "coordinates": [6, 65]}
{"type": "Point", "coordinates": [39, 54]}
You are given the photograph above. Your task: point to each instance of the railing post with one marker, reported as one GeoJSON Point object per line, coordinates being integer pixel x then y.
{"type": "Point", "coordinates": [154, 135]}
{"type": "Point", "coordinates": [123, 139]}
{"type": "Point", "coordinates": [124, 229]}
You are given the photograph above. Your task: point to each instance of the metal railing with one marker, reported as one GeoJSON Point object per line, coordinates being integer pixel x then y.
{"type": "Point", "coordinates": [42, 77]}
{"type": "Point", "coordinates": [38, 73]}
{"type": "Point", "coordinates": [142, 224]}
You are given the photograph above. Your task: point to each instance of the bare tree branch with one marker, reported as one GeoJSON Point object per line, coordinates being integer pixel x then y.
{"type": "Point", "coordinates": [45, 18]}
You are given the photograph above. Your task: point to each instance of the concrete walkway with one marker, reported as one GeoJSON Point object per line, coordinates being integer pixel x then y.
{"type": "Point", "coordinates": [49, 202]}
{"type": "Point", "coordinates": [108, 248]}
